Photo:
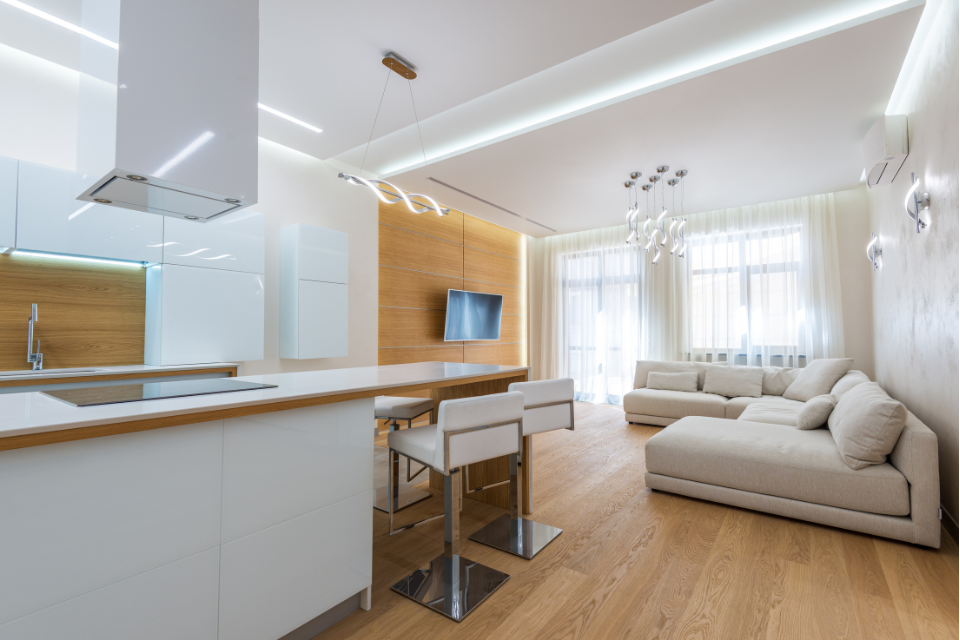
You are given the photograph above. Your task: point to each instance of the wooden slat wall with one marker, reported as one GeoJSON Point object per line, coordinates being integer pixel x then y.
{"type": "Point", "coordinates": [88, 315]}
{"type": "Point", "coordinates": [421, 257]}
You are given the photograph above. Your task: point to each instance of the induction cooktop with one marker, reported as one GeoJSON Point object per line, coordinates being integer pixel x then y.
{"type": "Point", "coordinates": [96, 396]}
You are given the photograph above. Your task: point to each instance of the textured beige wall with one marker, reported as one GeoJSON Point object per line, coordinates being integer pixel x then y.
{"type": "Point", "coordinates": [915, 294]}
{"type": "Point", "coordinates": [853, 234]}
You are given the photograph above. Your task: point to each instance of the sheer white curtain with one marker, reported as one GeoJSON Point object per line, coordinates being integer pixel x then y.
{"type": "Point", "coordinates": [764, 283]}
{"type": "Point", "coordinates": [602, 308]}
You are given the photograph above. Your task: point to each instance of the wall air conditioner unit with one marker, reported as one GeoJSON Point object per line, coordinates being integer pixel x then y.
{"type": "Point", "coordinates": [884, 149]}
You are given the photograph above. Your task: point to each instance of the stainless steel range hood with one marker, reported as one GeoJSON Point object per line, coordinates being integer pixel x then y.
{"type": "Point", "coordinates": [175, 132]}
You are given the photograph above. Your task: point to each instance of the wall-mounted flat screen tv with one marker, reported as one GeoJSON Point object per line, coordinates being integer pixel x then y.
{"type": "Point", "coordinates": [472, 316]}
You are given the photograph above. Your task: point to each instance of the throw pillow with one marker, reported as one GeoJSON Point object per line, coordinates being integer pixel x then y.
{"type": "Point", "coordinates": [847, 382]}
{"type": "Point", "coordinates": [644, 367]}
{"type": "Point", "coordinates": [734, 382]}
{"type": "Point", "coordinates": [866, 424]}
{"type": "Point", "coordinates": [818, 378]}
{"type": "Point", "coordinates": [814, 413]}
{"type": "Point", "coordinates": [777, 379]}
{"type": "Point", "coordinates": [672, 381]}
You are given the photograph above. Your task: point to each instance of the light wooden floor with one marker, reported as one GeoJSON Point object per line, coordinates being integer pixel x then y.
{"type": "Point", "coordinates": [632, 563]}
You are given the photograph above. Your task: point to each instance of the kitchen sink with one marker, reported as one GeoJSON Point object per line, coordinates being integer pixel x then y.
{"type": "Point", "coordinates": [28, 372]}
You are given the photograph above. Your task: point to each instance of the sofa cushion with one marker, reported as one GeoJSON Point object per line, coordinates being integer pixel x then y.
{"type": "Point", "coordinates": [774, 460]}
{"type": "Point", "coordinates": [673, 404]}
{"type": "Point", "coordinates": [770, 413]}
{"type": "Point", "coordinates": [734, 382]}
{"type": "Point", "coordinates": [818, 378]}
{"type": "Point", "coordinates": [815, 412]}
{"type": "Point", "coordinates": [735, 406]}
{"type": "Point", "coordinates": [673, 381]}
{"type": "Point", "coordinates": [777, 379]}
{"type": "Point", "coordinates": [644, 367]}
{"type": "Point", "coordinates": [847, 382]}
{"type": "Point", "coordinates": [866, 424]}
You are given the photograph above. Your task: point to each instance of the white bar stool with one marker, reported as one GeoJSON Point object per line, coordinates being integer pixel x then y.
{"type": "Point", "coordinates": [395, 408]}
{"type": "Point", "coordinates": [469, 430]}
{"type": "Point", "coordinates": [548, 406]}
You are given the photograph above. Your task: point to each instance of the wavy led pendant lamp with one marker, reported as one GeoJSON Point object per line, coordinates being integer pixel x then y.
{"type": "Point", "coordinates": [651, 227]}
{"type": "Point", "coordinates": [389, 193]}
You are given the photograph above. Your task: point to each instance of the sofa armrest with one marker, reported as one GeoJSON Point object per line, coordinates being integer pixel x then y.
{"type": "Point", "coordinates": [916, 457]}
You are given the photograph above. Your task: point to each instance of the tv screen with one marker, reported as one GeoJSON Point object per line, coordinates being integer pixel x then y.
{"type": "Point", "coordinates": [472, 316]}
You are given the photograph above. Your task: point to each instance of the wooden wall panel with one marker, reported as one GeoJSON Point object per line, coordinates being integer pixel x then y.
{"type": "Point", "coordinates": [414, 289]}
{"type": "Point", "coordinates": [399, 248]}
{"type": "Point", "coordinates": [490, 267]}
{"type": "Point", "coordinates": [512, 297]}
{"type": "Point", "coordinates": [509, 354]}
{"type": "Point", "coordinates": [411, 327]}
{"type": "Point", "coordinates": [448, 228]}
{"type": "Point", "coordinates": [487, 236]}
{"type": "Point", "coordinates": [89, 315]}
{"type": "Point", "coordinates": [421, 354]}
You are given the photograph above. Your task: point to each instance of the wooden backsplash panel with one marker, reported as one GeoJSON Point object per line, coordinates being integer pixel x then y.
{"type": "Point", "coordinates": [88, 314]}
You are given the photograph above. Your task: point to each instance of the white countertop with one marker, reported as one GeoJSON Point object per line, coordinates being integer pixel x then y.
{"type": "Point", "coordinates": [27, 413]}
{"type": "Point", "coordinates": [83, 372]}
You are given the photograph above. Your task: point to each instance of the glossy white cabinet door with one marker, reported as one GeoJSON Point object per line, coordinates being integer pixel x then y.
{"type": "Point", "coordinates": [278, 466]}
{"type": "Point", "coordinates": [275, 580]}
{"type": "Point", "coordinates": [322, 254]}
{"type": "Point", "coordinates": [78, 516]}
{"type": "Point", "coordinates": [8, 202]}
{"type": "Point", "coordinates": [234, 242]}
{"type": "Point", "coordinates": [50, 218]}
{"type": "Point", "coordinates": [177, 600]}
{"type": "Point", "coordinates": [323, 319]}
{"type": "Point", "coordinates": [203, 315]}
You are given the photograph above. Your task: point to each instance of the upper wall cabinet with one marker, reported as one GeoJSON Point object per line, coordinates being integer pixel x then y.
{"type": "Point", "coordinates": [234, 242]}
{"type": "Point", "coordinates": [321, 254]}
{"type": "Point", "coordinates": [50, 218]}
{"type": "Point", "coordinates": [8, 202]}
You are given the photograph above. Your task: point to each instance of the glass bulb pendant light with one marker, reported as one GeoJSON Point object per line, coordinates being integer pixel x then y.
{"type": "Point", "coordinates": [389, 193]}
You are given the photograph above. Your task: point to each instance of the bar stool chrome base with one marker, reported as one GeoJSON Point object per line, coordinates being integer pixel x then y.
{"type": "Point", "coordinates": [451, 585]}
{"type": "Point", "coordinates": [521, 537]}
{"type": "Point", "coordinates": [408, 497]}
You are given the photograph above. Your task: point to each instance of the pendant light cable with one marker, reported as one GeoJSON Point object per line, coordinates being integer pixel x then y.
{"type": "Point", "coordinates": [375, 118]}
{"type": "Point", "coordinates": [423, 149]}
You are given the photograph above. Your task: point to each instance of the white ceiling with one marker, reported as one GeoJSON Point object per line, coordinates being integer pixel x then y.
{"type": "Point", "coordinates": [321, 61]}
{"type": "Point", "coordinates": [782, 125]}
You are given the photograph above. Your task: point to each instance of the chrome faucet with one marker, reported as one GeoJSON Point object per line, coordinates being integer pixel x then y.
{"type": "Point", "coordinates": [35, 358]}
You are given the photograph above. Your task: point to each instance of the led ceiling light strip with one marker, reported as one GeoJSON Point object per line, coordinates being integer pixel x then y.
{"type": "Point", "coordinates": [286, 117]}
{"type": "Point", "coordinates": [404, 69]}
{"type": "Point", "coordinates": [63, 23]}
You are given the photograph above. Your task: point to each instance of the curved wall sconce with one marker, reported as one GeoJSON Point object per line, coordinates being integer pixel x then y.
{"type": "Point", "coordinates": [874, 252]}
{"type": "Point", "coordinates": [920, 202]}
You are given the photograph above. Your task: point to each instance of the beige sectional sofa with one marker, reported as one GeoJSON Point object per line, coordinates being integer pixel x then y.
{"type": "Point", "coordinates": [713, 450]}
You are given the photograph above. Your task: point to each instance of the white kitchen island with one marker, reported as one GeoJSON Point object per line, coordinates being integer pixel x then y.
{"type": "Point", "coordinates": [236, 516]}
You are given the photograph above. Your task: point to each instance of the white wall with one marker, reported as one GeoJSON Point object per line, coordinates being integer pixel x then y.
{"type": "Point", "coordinates": [915, 294]}
{"type": "Point", "coordinates": [295, 187]}
{"type": "Point", "coordinates": [853, 234]}
{"type": "Point", "coordinates": [38, 110]}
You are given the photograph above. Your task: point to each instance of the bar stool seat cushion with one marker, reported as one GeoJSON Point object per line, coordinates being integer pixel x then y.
{"type": "Point", "coordinates": [401, 408]}
{"type": "Point", "coordinates": [419, 443]}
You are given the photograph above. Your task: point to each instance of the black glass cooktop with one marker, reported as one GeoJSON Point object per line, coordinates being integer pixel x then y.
{"type": "Point", "coordinates": [96, 396]}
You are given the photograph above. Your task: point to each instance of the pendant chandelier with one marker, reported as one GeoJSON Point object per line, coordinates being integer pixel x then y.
{"type": "Point", "coordinates": [654, 229]}
{"type": "Point", "coordinates": [389, 193]}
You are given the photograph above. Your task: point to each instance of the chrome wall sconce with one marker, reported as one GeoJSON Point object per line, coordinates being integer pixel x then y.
{"type": "Point", "coordinates": [919, 201]}
{"type": "Point", "coordinates": [874, 252]}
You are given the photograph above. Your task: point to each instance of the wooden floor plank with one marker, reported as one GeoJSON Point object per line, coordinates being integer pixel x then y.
{"type": "Point", "coordinates": [642, 565]}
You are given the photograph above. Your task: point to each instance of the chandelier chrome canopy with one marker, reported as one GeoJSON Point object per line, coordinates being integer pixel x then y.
{"type": "Point", "coordinates": [654, 229]}
{"type": "Point", "coordinates": [381, 188]}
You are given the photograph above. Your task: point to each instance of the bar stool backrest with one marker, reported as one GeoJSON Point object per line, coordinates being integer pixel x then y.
{"type": "Point", "coordinates": [478, 429]}
{"type": "Point", "coordinates": [548, 405]}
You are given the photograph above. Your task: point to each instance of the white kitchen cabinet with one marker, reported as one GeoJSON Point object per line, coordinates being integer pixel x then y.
{"type": "Point", "coordinates": [51, 219]}
{"type": "Point", "coordinates": [8, 202]}
{"type": "Point", "coordinates": [234, 242]}
{"type": "Point", "coordinates": [314, 294]}
{"type": "Point", "coordinates": [197, 315]}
